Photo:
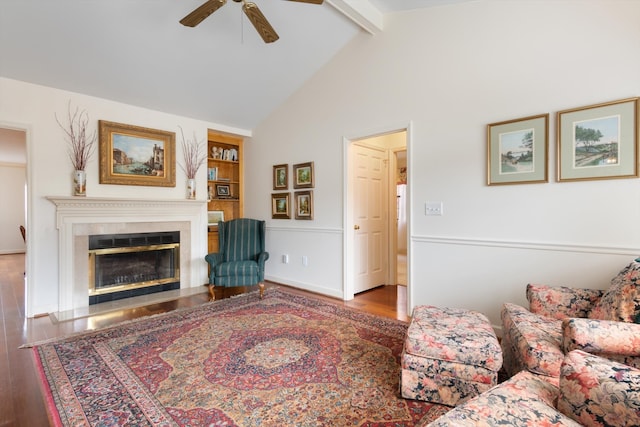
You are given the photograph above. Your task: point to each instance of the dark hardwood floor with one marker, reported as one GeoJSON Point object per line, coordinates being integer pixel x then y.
{"type": "Point", "coordinates": [21, 402]}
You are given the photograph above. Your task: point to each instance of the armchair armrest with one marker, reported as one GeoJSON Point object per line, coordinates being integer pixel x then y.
{"type": "Point", "coordinates": [213, 259]}
{"type": "Point", "coordinates": [262, 258]}
{"type": "Point", "coordinates": [601, 337]}
{"type": "Point", "coordinates": [561, 302]}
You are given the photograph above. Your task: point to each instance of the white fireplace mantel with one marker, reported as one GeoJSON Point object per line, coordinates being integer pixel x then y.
{"type": "Point", "coordinates": [79, 217]}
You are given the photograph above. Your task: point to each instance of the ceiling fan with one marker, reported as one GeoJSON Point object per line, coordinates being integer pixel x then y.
{"type": "Point", "coordinates": [262, 26]}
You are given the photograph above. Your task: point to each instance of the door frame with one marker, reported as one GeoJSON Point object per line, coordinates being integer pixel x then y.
{"type": "Point", "coordinates": [348, 220]}
{"type": "Point", "coordinates": [29, 273]}
{"type": "Point", "coordinates": [393, 223]}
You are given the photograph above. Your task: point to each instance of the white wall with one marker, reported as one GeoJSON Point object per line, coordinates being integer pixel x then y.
{"type": "Point", "coordinates": [32, 107]}
{"type": "Point", "coordinates": [449, 71]}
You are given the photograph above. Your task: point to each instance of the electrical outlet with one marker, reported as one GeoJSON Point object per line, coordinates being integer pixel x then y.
{"type": "Point", "coordinates": [285, 259]}
{"type": "Point", "coordinates": [433, 208]}
{"type": "Point", "coordinates": [305, 260]}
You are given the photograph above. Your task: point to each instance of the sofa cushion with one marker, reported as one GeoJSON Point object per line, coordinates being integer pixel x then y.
{"type": "Point", "coordinates": [621, 302]}
{"type": "Point", "coordinates": [595, 391]}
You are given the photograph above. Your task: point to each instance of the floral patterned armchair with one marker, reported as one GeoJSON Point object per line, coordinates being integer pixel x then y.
{"type": "Point", "coordinates": [591, 391]}
{"type": "Point", "coordinates": [562, 319]}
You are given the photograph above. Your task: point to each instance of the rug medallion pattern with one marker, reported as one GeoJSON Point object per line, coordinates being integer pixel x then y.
{"type": "Point", "coordinates": [285, 360]}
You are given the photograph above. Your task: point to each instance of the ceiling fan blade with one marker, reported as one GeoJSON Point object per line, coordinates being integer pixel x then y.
{"type": "Point", "coordinates": [260, 23]}
{"type": "Point", "coordinates": [202, 12]}
{"type": "Point", "coordinates": [309, 1]}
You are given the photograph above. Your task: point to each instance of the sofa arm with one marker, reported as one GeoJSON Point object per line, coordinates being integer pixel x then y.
{"type": "Point", "coordinates": [596, 392]}
{"type": "Point", "coordinates": [561, 302]}
{"type": "Point", "coordinates": [603, 337]}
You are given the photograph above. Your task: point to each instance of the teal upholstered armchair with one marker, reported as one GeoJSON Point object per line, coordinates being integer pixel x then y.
{"type": "Point", "coordinates": [241, 257]}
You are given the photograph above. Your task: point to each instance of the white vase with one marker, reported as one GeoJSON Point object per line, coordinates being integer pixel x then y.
{"type": "Point", "coordinates": [79, 183]}
{"type": "Point", "coordinates": [191, 188]}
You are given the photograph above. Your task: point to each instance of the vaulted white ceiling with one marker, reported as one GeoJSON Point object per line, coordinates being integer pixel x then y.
{"type": "Point", "coordinates": [136, 51]}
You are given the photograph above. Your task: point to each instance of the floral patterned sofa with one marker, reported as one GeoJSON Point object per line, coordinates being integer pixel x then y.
{"type": "Point", "coordinates": [591, 391]}
{"type": "Point", "coordinates": [561, 319]}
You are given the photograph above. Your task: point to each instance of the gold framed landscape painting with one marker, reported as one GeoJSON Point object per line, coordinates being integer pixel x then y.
{"type": "Point", "coordinates": [213, 217]}
{"type": "Point", "coordinates": [304, 204]}
{"type": "Point", "coordinates": [134, 155]}
{"type": "Point", "coordinates": [598, 141]}
{"type": "Point", "coordinates": [517, 151]}
{"type": "Point", "coordinates": [303, 175]}
{"type": "Point", "coordinates": [280, 206]}
{"type": "Point", "coordinates": [280, 177]}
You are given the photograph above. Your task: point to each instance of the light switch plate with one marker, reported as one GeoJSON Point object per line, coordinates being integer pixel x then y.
{"type": "Point", "coordinates": [433, 208]}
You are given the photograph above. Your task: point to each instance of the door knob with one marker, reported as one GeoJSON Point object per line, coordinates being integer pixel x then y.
{"type": "Point", "coordinates": [356, 227]}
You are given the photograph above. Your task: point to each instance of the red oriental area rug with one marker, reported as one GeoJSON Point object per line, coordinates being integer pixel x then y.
{"type": "Point", "coordinates": [285, 360]}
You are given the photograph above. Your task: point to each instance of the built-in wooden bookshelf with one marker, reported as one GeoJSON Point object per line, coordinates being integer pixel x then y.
{"type": "Point", "coordinates": [225, 186]}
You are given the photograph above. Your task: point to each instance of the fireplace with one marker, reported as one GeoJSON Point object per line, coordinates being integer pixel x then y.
{"type": "Point", "coordinates": [132, 264]}
{"type": "Point", "coordinates": [77, 218]}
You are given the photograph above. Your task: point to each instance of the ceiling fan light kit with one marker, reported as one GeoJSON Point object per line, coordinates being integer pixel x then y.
{"type": "Point", "coordinates": [255, 16]}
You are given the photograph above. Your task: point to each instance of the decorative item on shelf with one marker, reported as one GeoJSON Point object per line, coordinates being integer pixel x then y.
{"type": "Point", "coordinates": [228, 154]}
{"type": "Point", "coordinates": [212, 174]}
{"type": "Point", "coordinates": [214, 217]}
{"type": "Point", "coordinates": [81, 146]}
{"type": "Point", "coordinates": [191, 188]}
{"type": "Point", "coordinates": [223, 191]}
{"type": "Point", "coordinates": [79, 183]}
{"type": "Point", "coordinates": [194, 157]}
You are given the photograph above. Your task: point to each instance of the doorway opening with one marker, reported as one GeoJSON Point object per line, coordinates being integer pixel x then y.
{"type": "Point", "coordinates": [376, 212]}
{"type": "Point", "coordinates": [13, 170]}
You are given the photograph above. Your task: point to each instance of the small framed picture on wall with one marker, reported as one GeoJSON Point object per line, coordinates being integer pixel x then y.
{"type": "Point", "coordinates": [281, 177]}
{"type": "Point", "coordinates": [304, 204]}
{"type": "Point", "coordinates": [303, 175]}
{"type": "Point", "coordinates": [280, 206]}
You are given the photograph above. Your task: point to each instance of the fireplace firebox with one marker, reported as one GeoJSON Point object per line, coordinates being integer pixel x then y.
{"type": "Point", "coordinates": [133, 264]}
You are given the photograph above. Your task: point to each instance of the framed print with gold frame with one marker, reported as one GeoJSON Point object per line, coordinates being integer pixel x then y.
{"type": "Point", "coordinates": [598, 141]}
{"type": "Point", "coordinates": [280, 206]}
{"type": "Point", "coordinates": [303, 175]}
{"type": "Point", "coordinates": [281, 177]}
{"type": "Point", "coordinates": [304, 204]}
{"type": "Point", "coordinates": [517, 151]}
{"type": "Point", "coordinates": [213, 217]}
{"type": "Point", "coordinates": [133, 155]}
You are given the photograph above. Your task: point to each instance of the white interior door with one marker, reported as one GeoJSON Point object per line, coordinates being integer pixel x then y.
{"type": "Point", "coordinates": [370, 217]}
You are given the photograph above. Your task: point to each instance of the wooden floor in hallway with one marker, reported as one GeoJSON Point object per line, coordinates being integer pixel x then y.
{"type": "Point", "coordinates": [21, 401]}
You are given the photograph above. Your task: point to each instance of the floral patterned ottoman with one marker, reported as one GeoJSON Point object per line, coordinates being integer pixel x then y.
{"type": "Point", "coordinates": [450, 355]}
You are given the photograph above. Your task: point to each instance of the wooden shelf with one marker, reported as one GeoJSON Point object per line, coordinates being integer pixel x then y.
{"type": "Point", "coordinates": [211, 159]}
{"type": "Point", "coordinates": [232, 173]}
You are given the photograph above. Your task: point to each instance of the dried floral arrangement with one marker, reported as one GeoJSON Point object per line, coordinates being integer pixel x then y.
{"type": "Point", "coordinates": [81, 144]}
{"type": "Point", "coordinates": [194, 156]}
